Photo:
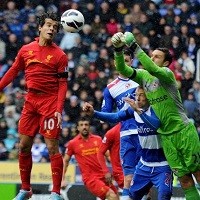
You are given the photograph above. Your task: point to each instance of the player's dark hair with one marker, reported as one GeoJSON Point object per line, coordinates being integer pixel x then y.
{"type": "Point", "coordinates": [48, 15]}
{"type": "Point", "coordinates": [128, 52]}
{"type": "Point", "coordinates": [83, 118]}
{"type": "Point", "coordinates": [168, 55]}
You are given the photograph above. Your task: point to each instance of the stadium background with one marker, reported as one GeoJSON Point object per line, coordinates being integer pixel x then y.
{"type": "Point", "coordinates": [170, 23]}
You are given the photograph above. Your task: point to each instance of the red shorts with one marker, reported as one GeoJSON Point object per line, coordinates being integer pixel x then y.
{"type": "Point", "coordinates": [38, 116]}
{"type": "Point", "coordinates": [98, 186]}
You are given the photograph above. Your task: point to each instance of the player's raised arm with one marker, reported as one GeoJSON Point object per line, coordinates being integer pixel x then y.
{"type": "Point", "coordinates": [156, 65]}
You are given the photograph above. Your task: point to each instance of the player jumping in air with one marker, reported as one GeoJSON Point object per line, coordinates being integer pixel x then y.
{"type": "Point", "coordinates": [178, 134]}
{"type": "Point", "coordinates": [44, 64]}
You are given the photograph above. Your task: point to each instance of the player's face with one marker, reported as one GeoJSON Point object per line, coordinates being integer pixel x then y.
{"type": "Point", "coordinates": [158, 58]}
{"type": "Point", "coordinates": [49, 29]}
{"type": "Point", "coordinates": [140, 98]}
{"type": "Point", "coordinates": [84, 128]}
{"type": "Point", "coordinates": [128, 60]}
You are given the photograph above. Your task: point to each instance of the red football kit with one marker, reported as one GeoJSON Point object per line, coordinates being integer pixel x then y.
{"type": "Point", "coordinates": [45, 90]}
{"type": "Point", "coordinates": [111, 142]}
{"type": "Point", "coordinates": [85, 152]}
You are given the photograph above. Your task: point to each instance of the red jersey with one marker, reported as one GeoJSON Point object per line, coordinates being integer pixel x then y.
{"type": "Point", "coordinates": [85, 152]}
{"type": "Point", "coordinates": [41, 65]}
{"type": "Point", "coordinates": [111, 142]}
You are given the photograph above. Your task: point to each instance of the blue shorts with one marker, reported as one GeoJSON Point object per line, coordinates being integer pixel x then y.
{"type": "Point", "coordinates": [145, 177]}
{"type": "Point", "coordinates": [130, 151]}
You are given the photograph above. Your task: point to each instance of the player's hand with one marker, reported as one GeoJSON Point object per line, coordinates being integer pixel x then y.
{"type": "Point", "coordinates": [131, 102]}
{"type": "Point", "coordinates": [108, 177]}
{"type": "Point", "coordinates": [59, 118]}
{"type": "Point", "coordinates": [88, 108]}
{"type": "Point", "coordinates": [63, 184]}
{"type": "Point", "coordinates": [117, 40]}
{"type": "Point", "coordinates": [128, 39]}
{"type": "Point", "coordinates": [133, 105]}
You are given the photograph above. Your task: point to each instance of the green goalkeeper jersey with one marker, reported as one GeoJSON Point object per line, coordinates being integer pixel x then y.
{"type": "Point", "coordinates": [161, 90]}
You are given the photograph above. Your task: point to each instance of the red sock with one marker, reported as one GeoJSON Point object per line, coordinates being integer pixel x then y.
{"type": "Point", "coordinates": [57, 170]}
{"type": "Point", "coordinates": [25, 167]}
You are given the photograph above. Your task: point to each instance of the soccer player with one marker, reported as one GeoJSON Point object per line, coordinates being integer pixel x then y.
{"type": "Point", "coordinates": [152, 168]}
{"type": "Point", "coordinates": [111, 144]}
{"type": "Point", "coordinates": [178, 134]}
{"type": "Point", "coordinates": [85, 147]}
{"type": "Point", "coordinates": [129, 142]}
{"type": "Point", "coordinates": [44, 64]}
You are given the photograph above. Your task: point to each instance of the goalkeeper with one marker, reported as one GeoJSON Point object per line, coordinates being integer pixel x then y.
{"type": "Point", "coordinates": [178, 134]}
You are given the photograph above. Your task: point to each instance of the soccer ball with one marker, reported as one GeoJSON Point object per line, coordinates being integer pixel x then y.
{"type": "Point", "coordinates": [72, 20]}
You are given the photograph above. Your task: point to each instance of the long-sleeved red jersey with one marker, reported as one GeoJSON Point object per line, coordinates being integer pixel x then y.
{"type": "Point", "coordinates": [41, 65]}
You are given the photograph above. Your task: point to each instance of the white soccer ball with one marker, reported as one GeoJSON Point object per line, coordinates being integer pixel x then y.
{"type": "Point", "coordinates": [72, 20]}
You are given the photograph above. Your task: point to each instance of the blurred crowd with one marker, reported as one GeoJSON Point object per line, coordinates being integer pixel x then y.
{"type": "Point", "coordinates": [174, 24]}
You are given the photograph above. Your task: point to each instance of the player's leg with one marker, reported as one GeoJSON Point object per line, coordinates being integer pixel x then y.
{"type": "Point", "coordinates": [191, 158]}
{"type": "Point", "coordinates": [181, 158]}
{"type": "Point", "coordinates": [129, 146]}
{"type": "Point", "coordinates": [99, 188]}
{"type": "Point", "coordinates": [28, 126]}
{"type": "Point", "coordinates": [193, 155]}
{"type": "Point", "coordinates": [163, 181]}
{"type": "Point", "coordinates": [50, 131]}
{"type": "Point", "coordinates": [141, 182]}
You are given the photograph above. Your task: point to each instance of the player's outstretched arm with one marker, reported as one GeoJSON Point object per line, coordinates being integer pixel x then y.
{"type": "Point", "coordinates": [161, 72]}
{"type": "Point", "coordinates": [66, 160]}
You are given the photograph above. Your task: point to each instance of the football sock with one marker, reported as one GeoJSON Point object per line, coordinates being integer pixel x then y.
{"type": "Point", "coordinates": [57, 170]}
{"type": "Point", "coordinates": [192, 193]}
{"type": "Point", "coordinates": [25, 167]}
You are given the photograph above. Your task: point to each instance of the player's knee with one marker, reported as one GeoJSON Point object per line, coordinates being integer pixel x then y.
{"type": "Point", "coordinates": [186, 181]}
{"type": "Point", "coordinates": [127, 180]}
{"type": "Point", "coordinates": [52, 148]}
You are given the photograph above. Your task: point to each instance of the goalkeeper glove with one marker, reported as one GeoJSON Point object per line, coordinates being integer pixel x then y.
{"type": "Point", "coordinates": [117, 41]}
{"type": "Point", "coordinates": [130, 41]}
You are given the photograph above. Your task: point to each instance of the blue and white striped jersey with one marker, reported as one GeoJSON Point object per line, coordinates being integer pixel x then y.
{"type": "Point", "coordinates": [152, 154]}
{"type": "Point", "coordinates": [113, 96]}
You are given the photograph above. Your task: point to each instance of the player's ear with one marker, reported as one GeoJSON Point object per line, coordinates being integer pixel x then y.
{"type": "Point", "coordinates": [39, 28]}
{"type": "Point", "coordinates": [166, 63]}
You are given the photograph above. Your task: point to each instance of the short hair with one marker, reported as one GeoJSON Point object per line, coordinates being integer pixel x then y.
{"type": "Point", "coordinates": [128, 52]}
{"type": "Point", "coordinates": [168, 55]}
{"type": "Point", "coordinates": [83, 118]}
{"type": "Point", "coordinates": [48, 15]}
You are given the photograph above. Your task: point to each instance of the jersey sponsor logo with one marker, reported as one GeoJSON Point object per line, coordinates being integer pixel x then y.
{"type": "Point", "coordinates": [157, 100]}
{"type": "Point", "coordinates": [48, 58]}
{"type": "Point", "coordinates": [29, 61]}
{"type": "Point", "coordinates": [90, 151]}
{"type": "Point", "coordinates": [144, 130]}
